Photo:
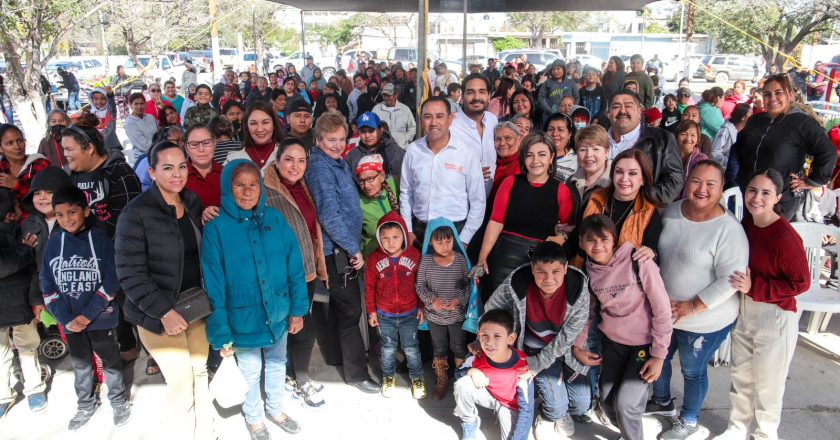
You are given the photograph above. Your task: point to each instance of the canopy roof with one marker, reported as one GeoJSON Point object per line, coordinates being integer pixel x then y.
{"type": "Point", "coordinates": [473, 6]}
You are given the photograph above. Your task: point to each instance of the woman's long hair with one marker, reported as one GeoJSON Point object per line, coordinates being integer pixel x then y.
{"type": "Point", "coordinates": [647, 172]}
{"type": "Point", "coordinates": [619, 69]}
{"type": "Point", "coordinates": [265, 107]}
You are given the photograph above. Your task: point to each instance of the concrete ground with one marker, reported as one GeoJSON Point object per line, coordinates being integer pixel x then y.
{"type": "Point", "coordinates": [810, 412]}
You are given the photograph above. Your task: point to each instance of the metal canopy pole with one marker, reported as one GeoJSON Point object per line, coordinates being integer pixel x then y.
{"type": "Point", "coordinates": [254, 29]}
{"type": "Point", "coordinates": [683, 50]}
{"type": "Point", "coordinates": [422, 26]}
{"type": "Point", "coordinates": [302, 38]}
{"type": "Point", "coordinates": [464, 43]}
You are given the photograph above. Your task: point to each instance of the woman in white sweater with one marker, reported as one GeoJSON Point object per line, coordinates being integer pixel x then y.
{"type": "Point", "coordinates": [140, 127]}
{"type": "Point", "coordinates": [700, 246]}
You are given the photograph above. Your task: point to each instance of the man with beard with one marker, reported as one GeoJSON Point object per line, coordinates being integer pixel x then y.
{"type": "Point", "coordinates": [627, 131]}
{"type": "Point", "coordinates": [373, 139]}
{"type": "Point", "coordinates": [441, 177]}
{"type": "Point", "coordinates": [474, 126]}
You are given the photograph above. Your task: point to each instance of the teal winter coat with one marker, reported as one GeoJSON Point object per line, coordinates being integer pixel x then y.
{"type": "Point", "coordinates": [253, 272]}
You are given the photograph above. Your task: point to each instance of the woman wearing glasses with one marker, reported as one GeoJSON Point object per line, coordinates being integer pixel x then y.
{"type": "Point", "coordinates": [780, 139]}
{"type": "Point", "coordinates": [204, 176]}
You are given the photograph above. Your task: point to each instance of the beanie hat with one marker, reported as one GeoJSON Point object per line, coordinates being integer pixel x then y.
{"type": "Point", "coordinates": [371, 162]}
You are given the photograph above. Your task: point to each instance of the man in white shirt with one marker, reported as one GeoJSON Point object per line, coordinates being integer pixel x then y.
{"type": "Point", "coordinates": [360, 83]}
{"type": "Point", "coordinates": [474, 126]}
{"type": "Point", "coordinates": [441, 177]}
{"type": "Point", "coordinates": [397, 115]}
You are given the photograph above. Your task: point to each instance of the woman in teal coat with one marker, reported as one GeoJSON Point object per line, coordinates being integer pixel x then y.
{"type": "Point", "coordinates": [255, 278]}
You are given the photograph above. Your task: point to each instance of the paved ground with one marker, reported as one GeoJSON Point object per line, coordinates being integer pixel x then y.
{"type": "Point", "coordinates": [811, 409]}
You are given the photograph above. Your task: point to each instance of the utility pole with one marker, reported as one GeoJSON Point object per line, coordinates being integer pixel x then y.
{"type": "Point", "coordinates": [214, 40]}
{"type": "Point", "coordinates": [104, 43]}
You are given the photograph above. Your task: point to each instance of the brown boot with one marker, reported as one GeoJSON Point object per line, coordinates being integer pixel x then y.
{"type": "Point", "coordinates": [441, 367]}
{"type": "Point", "coordinates": [458, 363]}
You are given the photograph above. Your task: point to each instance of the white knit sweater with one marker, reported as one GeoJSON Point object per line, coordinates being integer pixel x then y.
{"type": "Point", "coordinates": [696, 259]}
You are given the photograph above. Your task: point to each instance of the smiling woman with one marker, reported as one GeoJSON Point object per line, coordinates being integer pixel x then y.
{"type": "Point", "coordinates": [261, 135]}
{"type": "Point", "coordinates": [16, 167]}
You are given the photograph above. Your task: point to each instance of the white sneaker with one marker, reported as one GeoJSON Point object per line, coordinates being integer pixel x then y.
{"type": "Point", "coordinates": [544, 429]}
{"type": "Point", "coordinates": [565, 426]}
{"type": "Point", "coordinates": [731, 434]}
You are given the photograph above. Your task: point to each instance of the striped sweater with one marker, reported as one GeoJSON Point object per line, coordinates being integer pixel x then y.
{"type": "Point", "coordinates": [446, 283]}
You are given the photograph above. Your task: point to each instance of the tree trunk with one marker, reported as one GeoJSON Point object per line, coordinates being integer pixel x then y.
{"type": "Point", "coordinates": [32, 116]}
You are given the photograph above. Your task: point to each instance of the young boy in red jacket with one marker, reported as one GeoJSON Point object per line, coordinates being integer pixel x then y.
{"type": "Point", "coordinates": [392, 303]}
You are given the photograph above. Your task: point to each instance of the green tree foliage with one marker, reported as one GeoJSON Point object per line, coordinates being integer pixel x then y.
{"type": "Point", "coordinates": [508, 43]}
{"type": "Point", "coordinates": [541, 23]}
{"type": "Point", "coordinates": [343, 34]}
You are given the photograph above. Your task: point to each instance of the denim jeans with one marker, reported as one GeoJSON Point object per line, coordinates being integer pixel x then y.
{"type": "Point", "coordinates": [251, 364]}
{"type": "Point", "coordinates": [73, 100]}
{"type": "Point", "coordinates": [696, 350]}
{"type": "Point", "coordinates": [403, 329]}
{"type": "Point", "coordinates": [559, 396]}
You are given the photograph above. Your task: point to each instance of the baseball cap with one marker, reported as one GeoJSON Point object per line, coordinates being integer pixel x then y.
{"type": "Point", "coordinates": [388, 89]}
{"type": "Point", "coordinates": [297, 105]}
{"type": "Point", "coordinates": [368, 119]}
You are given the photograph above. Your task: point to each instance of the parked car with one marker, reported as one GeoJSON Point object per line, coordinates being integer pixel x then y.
{"type": "Point", "coordinates": [539, 58]}
{"type": "Point", "coordinates": [589, 60]}
{"type": "Point", "coordinates": [202, 59]}
{"type": "Point", "coordinates": [85, 69]}
{"type": "Point", "coordinates": [349, 61]}
{"type": "Point", "coordinates": [327, 65]}
{"type": "Point", "coordinates": [228, 58]}
{"type": "Point", "coordinates": [154, 69]}
{"type": "Point", "coordinates": [722, 68]}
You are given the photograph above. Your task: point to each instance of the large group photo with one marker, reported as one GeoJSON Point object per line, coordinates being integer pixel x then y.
{"type": "Point", "coordinates": [459, 220]}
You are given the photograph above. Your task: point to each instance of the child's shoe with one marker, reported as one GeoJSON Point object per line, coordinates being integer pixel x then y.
{"type": "Point", "coordinates": [122, 414]}
{"type": "Point", "coordinates": [470, 429]}
{"type": "Point", "coordinates": [418, 388]}
{"type": "Point", "coordinates": [308, 393]}
{"type": "Point", "coordinates": [81, 418]}
{"type": "Point", "coordinates": [544, 429]}
{"type": "Point", "coordinates": [389, 383]}
{"type": "Point", "coordinates": [37, 402]}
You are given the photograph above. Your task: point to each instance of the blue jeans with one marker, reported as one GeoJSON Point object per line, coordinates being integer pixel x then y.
{"type": "Point", "coordinates": [696, 350]}
{"type": "Point", "coordinates": [559, 396]}
{"type": "Point", "coordinates": [403, 330]}
{"type": "Point", "coordinates": [595, 344]}
{"type": "Point", "coordinates": [251, 364]}
{"type": "Point", "coordinates": [73, 100]}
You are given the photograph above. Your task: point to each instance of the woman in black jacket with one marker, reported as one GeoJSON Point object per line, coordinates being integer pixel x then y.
{"type": "Point", "coordinates": [157, 257]}
{"type": "Point", "coordinates": [782, 139]}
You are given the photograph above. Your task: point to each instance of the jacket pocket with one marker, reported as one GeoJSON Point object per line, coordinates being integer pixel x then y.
{"type": "Point", "coordinates": [244, 310]}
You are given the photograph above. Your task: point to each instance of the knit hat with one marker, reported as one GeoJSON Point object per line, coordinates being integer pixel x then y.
{"type": "Point", "coordinates": [371, 162]}
{"type": "Point", "coordinates": [652, 114]}
{"type": "Point", "coordinates": [51, 179]}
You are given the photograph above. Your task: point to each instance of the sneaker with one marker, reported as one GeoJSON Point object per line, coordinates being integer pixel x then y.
{"type": "Point", "coordinates": [4, 409]}
{"type": "Point", "coordinates": [600, 414]}
{"type": "Point", "coordinates": [680, 430]}
{"type": "Point", "coordinates": [317, 385]}
{"type": "Point", "coordinates": [258, 433]}
{"type": "Point", "coordinates": [122, 414]}
{"type": "Point", "coordinates": [565, 426]}
{"type": "Point", "coordinates": [291, 384]}
{"type": "Point", "coordinates": [470, 429]}
{"type": "Point", "coordinates": [309, 395]}
{"type": "Point", "coordinates": [37, 402]}
{"type": "Point", "coordinates": [731, 434]}
{"type": "Point", "coordinates": [544, 429]}
{"type": "Point", "coordinates": [286, 423]}
{"type": "Point", "coordinates": [652, 408]}
{"type": "Point", "coordinates": [81, 418]}
{"type": "Point", "coordinates": [389, 383]}
{"type": "Point", "coordinates": [583, 418]}
{"type": "Point", "coordinates": [418, 388]}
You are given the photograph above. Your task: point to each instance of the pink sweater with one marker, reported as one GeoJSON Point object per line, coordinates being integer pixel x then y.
{"type": "Point", "coordinates": [632, 314]}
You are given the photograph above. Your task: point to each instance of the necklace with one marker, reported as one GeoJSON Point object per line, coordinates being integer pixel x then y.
{"type": "Point", "coordinates": [260, 156]}
{"type": "Point", "coordinates": [626, 211]}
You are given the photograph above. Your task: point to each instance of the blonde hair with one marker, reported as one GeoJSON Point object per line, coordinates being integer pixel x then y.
{"type": "Point", "coordinates": [593, 133]}
{"type": "Point", "coordinates": [329, 122]}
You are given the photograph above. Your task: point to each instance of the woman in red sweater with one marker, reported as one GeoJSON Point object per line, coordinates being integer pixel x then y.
{"type": "Point", "coordinates": [765, 336]}
{"type": "Point", "coordinates": [526, 211]}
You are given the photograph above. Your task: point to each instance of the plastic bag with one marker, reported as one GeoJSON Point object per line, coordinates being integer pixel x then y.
{"type": "Point", "coordinates": [228, 386]}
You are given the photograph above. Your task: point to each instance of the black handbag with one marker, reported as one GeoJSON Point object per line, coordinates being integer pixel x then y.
{"type": "Point", "coordinates": [193, 304]}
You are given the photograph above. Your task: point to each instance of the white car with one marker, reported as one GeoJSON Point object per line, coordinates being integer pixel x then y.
{"type": "Point", "coordinates": [299, 60]}
{"type": "Point", "coordinates": [589, 60]}
{"type": "Point", "coordinates": [154, 69]}
{"type": "Point", "coordinates": [349, 60]}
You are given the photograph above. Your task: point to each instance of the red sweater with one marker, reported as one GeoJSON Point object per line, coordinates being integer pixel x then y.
{"type": "Point", "coordinates": [778, 263]}
{"type": "Point", "coordinates": [503, 377]}
{"type": "Point", "coordinates": [389, 281]}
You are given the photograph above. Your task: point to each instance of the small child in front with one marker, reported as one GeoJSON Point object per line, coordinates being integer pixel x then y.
{"type": "Point", "coordinates": [392, 304]}
{"type": "Point", "coordinates": [492, 381]}
{"type": "Point", "coordinates": [79, 282]}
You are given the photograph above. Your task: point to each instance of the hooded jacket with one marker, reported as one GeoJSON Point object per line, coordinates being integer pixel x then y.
{"type": "Point", "coordinates": [392, 156]}
{"type": "Point", "coordinates": [668, 176]}
{"type": "Point", "coordinates": [372, 211]}
{"type": "Point", "coordinates": [711, 119]}
{"type": "Point", "coordinates": [400, 122]}
{"type": "Point", "coordinates": [782, 144]}
{"type": "Point", "coordinates": [389, 284]}
{"type": "Point", "coordinates": [554, 89]}
{"type": "Point", "coordinates": [512, 296]}
{"type": "Point", "coordinates": [33, 164]}
{"type": "Point", "coordinates": [646, 91]}
{"type": "Point", "coordinates": [633, 302]}
{"type": "Point", "coordinates": [50, 148]}
{"type": "Point", "coordinates": [18, 279]}
{"type": "Point", "coordinates": [50, 179]}
{"type": "Point", "coordinates": [78, 277]}
{"type": "Point", "coordinates": [337, 199]}
{"type": "Point", "coordinates": [109, 188]}
{"type": "Point", "coordinates": [150, 255]}
{"type": "Point", "coordinates": [107, 118]}
{"type": "Point", "coordinates": [253, 272]}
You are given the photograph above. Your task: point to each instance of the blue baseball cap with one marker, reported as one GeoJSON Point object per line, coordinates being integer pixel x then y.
{"type": "Point", "coordinates": [368, 119]}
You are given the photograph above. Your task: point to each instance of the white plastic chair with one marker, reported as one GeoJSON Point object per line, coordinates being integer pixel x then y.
{"type": "Point", "coordinates": [734, 194]}
{"type": "Point", "coordinates": [821, 301]}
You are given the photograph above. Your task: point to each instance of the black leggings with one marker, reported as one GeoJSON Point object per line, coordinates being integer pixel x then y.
{"type": "Point", "coordinates": [299, 346]}
{"type": "Point", "coordinates": [449, 336]}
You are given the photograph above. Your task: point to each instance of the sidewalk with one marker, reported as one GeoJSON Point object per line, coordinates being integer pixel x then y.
{"type": "Point", "coordinates": [811, 410]}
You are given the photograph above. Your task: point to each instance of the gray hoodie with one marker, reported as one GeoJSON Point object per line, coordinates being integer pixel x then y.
{"type": "Point", "coordinates": [554, 89]}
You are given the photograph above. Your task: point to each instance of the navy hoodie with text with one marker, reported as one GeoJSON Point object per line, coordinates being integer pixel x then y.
{"type": "Point", "coordinates": [79, 277]}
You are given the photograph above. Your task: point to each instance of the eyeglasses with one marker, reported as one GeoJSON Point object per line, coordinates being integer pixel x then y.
{"type": "Point", "coordinates": [154, 90]}
{"type": "Point", "coordinates": [368, 181]}
{"type": "Point", "coordinates": [195, 145]}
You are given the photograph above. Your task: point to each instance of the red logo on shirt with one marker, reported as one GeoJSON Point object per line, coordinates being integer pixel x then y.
{"type": "Point", "coordinates": [454, 167]}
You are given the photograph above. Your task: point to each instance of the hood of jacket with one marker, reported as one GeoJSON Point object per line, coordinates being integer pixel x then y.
{"type": "Point", "coordinates": [521, 277]}
{"type": "Point", "coordinates": [99, 112]}
{"type": "Point", "coordinates": [442, 222]}
{"type": "Point", "coordinates": [229, 205]}
{"type": "Point", "coordinates": [582, 113]}
{"type": "Point", "coordinates": [392, 217]}
{"type": "Point", "coordinates": [557, 63]}
{"type": "Point", "coordinates": [49, 179]}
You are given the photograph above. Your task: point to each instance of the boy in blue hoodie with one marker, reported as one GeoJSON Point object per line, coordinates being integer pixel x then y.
{"type": "Point", "coordinates": [79, 281]}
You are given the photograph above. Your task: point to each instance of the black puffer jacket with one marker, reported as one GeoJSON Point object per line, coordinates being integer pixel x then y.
{"type": "Point", "coordinates": [668, 174]}
{"type": "Point", "coordinates": [782, 144]}
{"type": "Point", "coordinates": [18, 281]}
{"type": "Point", "coordinates": [150, 255]}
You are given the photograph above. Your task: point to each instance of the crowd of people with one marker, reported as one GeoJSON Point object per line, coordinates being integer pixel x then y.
{"type": "Point", "coordinates": [560, 237]}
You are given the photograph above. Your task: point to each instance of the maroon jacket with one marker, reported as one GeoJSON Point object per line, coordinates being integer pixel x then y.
{"type": "Point", "coordinates": [389, 286]}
